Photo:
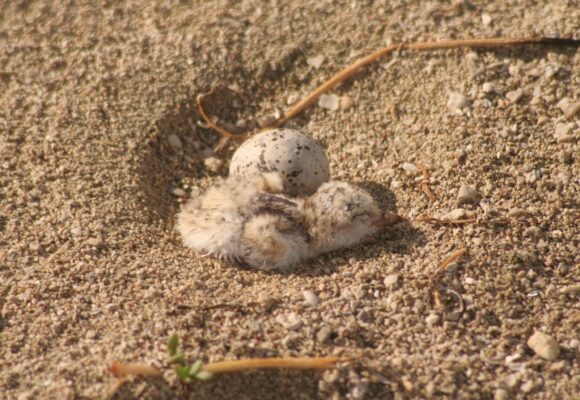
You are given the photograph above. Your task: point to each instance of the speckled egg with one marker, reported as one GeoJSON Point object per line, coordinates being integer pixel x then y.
{"type": "Point", "coordinates": [298, 158]}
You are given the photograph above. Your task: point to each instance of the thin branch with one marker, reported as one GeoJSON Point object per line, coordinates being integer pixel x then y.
{"type": "Point", "coordinates": [453, 258]}
{"type": "Point", "coordinates": [432, 220]}
{"type": "Point", "coordinates": [426, 182]}
{"type": "Point", "coordinates": [459, 300]}
{"type": "Point", "coordinates": [261, 363]}
{"type": "Point", "coordinates": [436, 288]}
{"type": "Point", "coordinates": [359, 64]}
{"type": "Point", "coordinates": [443, 44]}
{"type": "Point", "coordinates": [225, 135]}
{"type": "Point", "coordinates": [219, 306]}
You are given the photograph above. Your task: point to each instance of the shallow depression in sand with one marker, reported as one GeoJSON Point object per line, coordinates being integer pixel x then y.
{"type": "Point", "coordinates": [179, 159]}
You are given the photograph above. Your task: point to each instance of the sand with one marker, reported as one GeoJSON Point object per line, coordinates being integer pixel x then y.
{"type": "Point", "coordinates": [91, 177]}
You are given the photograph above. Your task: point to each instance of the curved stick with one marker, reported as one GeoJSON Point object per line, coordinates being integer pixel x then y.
{"type": "Point", "coordinates": [364, 61]}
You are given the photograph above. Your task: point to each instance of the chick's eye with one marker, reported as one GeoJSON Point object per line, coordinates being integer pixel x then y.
{"type": "Point", "coordinates": [361, 216]}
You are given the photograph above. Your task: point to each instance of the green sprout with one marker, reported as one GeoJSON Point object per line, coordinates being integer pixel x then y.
{"type": "Point", "coordinates": [186, 373]}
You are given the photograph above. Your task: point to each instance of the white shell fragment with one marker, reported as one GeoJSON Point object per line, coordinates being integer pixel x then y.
{"type": "Point", "coordinates": [457, 102]}
{"type": "Point", "coordinates": [299, 160]}
{"type": "Point", "coordinates": [315, 61]}
{"type": "Point", "coordinates": [329, 102]}
{"type": "Point", "coordinates": [310, 297]}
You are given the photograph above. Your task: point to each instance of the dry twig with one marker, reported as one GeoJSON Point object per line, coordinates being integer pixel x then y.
{"type": "Point", "coordinates": [425, 182]}
{"type": "Point", "coordinates": [359, 64]}
{"type": "Point", "coordinates": [208, 120]}
{"type": "Point", "coordinates": [436, 288]}
{"type": "Point", "coordinates": [452, 258]}
{"type": "Point", "coordinates": [432, 220]}
{"type": "Point", "coordinates": [218, 306]}
{"type": "Point", "coordinates": [198, 371]}
{"type": "Point", "coordinates": [266, 363]}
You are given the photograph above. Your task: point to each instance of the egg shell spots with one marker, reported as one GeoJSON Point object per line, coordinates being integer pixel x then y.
{"type": "Point", "coordinates": [298, 158]}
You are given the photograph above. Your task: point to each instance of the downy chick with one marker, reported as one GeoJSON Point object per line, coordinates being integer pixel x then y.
{"type": "Point", "coordinates": [249, 222]}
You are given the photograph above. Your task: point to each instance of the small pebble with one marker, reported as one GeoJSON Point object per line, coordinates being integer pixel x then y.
{"type": "Point", "coordinates": [527, 386]}
{"type": "Point", "coordinates": [323, 334]}
{"type": "Point", "coordinates": [432, 319]}
{"type": "Point", "coordinates": [310, 297]}
{"type": "Point", "coordinates": [213, 164]}
{"type": "Point", "coordinates": [544, 345]}
{"type": "Point", "coordinates": [485, 19]}
{"type": "Point", "coordinates": [516, 212]}
{"type": "Point", "coordinates": [315, 61]}
{"type": "Point", "coordinates": [562, 133]}
{"type": "Point", "coordinates": [293, 98]}
{"type": "Point", "coordinates": [390, 280]}
{"type": "Point", "coordinates": [515, 95]}
{"type": "Point", "coordinates": [467, 194]}
{"type": "Point", "coordinates": [395, 184]}
{"type": "Point", "coordinates": [460, 156]}
{"type": "Point", "coordinates": [265, 121]}
{"type": "Point", "coordinates": [409, 168]}
{"type": "Point", "coordinates": [563, 129]}
{"type": "Point", "coordinates": [563, 103]}
{"type": "Point", "coordinates": [457, 102]}
{"type": "Point", "coordinates": [571, 110]}
{"type": "Point", "coordinates": [571, 289]}
{"type": "Point", "coordinates": [345, 103]}
{"type": "Point", "coordinates": [512, 357]}
{"type": "Point", "coordinates": [488, 87]}
{"type": "Point", "coordinates": [408, 385]}
{"type": "Point", "coordinates": [329, 102]}
{"type": "Point", "coordinates": [179, 192]}
{"type": "Point", "coordinates": [457, 214]}
{"type": "Point", "coordinates": [512, 380]}
{"type": "Point", "coordinates": [290, 321]}
{"type": "Point", "coordinates": [358, 292]}
{"type": "Point", "coordinates": [551, 70]}
{"type": "Point", "coordinates": [532, 176]}
{"type": "Point", "coordinates": [265, 301]}
{"type": "Point", "coordinates": [174, 141]}
{"type": "Point", "coordinates": [95, 242]}
{"type": "Point", "coordinates": [558, 366]}
{"type": "Point", "coordinates": [419, 305]}
{"type": "Point", "coordinates": [76, 231]}
{"type": "Point", "coordinates": [500, 394]}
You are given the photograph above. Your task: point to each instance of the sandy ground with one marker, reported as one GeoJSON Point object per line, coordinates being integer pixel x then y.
{"type": "Point", "coordinates": [91, 270]}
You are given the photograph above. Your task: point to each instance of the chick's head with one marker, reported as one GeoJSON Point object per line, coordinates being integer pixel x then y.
{"type": "Point", "coordinates": [344, 214]}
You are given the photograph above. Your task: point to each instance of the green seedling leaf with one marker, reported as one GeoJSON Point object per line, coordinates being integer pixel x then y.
{"type": "Point", "coordinates": [203, 375]}
{"type": "Point", "coordinates": [172, 345]}
{"type": "Point", "coordinates": [176, 359]}
{"type": "Point", "coordinates": [194, 368]}
{"type": "Point", "coordinates": [182, 372]}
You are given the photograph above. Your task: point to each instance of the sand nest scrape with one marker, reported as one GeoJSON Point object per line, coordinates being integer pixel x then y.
{"type": "Point", "coordinates": [92, 100]}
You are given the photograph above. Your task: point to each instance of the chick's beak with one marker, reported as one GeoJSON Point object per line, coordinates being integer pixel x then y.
{"type": "Point", "coordinates": [386, 219]}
